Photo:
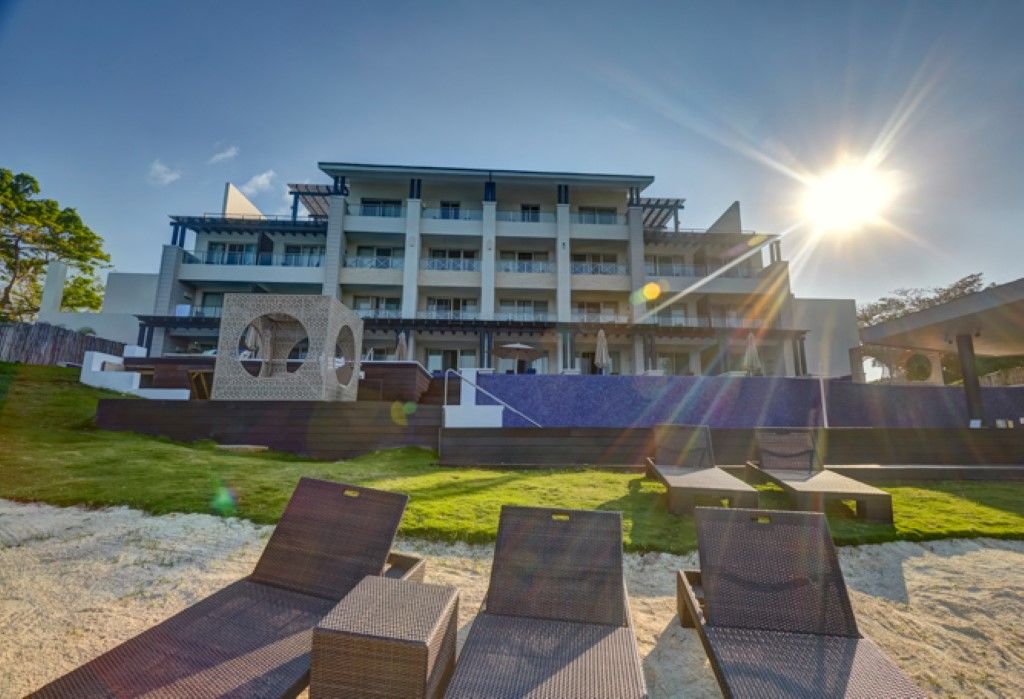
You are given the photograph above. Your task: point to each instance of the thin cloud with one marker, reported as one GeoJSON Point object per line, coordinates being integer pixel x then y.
{"type": "Point", "coordinates": [259, 183]}
{"type": "Point", "coordinates": [226, 154]}
{"type": "Point", "coordinates": [160, 175]}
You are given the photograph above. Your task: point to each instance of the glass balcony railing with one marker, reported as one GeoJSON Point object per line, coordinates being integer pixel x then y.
{"type": "Point", "coordinates": [198, 311]}
{"type": "Point", "coordinates": [450, 265]}
{"type": "Point", "coordinates": [380, 210]}
{"type": "Point", "coordinates": [253, 259]}
{"type": "Point", "coordinates": [604, 317]}
{"type": "Point", "coordinates": [453, 214]}
{"type": "Point", "coordinates": [523, 315]}
{"type": "Point", "coordinates": [448, 314]}
{"type": "Point", "coordinates": [526, 266]}
{"type": "Point", "coordinates": [359, 262]}
{"type": "Point", "coordinates": [599, 218]}
{"type": "Point", "coordinates": [698, 271]}
{"type": "Point", "coordinates": [378, 312]}
{"type": "Point", "coordinates": [599, 268]}
{"type": "Point", "coordinates": [525, 216]}
{"type": "Point", "coordinates": [666, 321]}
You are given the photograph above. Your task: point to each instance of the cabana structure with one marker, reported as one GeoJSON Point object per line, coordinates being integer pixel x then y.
{"type": "Point", "coordinates": [989, 322]}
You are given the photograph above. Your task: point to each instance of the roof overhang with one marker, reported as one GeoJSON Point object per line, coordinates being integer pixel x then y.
{"type": "Point", "coordinates": [994, 317]}
{"type": "Point", "coordinates": [391, 172]}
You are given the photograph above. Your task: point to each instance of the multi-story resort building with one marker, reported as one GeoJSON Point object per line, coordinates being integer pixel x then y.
{"type": "Point", "coordinates": [466, 260]}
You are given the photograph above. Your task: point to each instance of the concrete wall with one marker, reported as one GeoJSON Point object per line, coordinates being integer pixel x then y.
{"type": "Point", "coordinates": [832, 331]}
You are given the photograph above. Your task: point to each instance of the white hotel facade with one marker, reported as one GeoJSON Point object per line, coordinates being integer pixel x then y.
{"type": "Point", "coordinates": [465, 260]}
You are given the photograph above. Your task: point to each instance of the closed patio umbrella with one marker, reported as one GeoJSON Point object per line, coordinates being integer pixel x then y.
{"type": "Point", "coordinates": [602, 358]}
{"type": "Point", "coordinates": [751, 359]}
{"type": "Point", "coordinates": [402, 350]}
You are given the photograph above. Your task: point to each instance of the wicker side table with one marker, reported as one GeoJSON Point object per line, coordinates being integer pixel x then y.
{"type": "Point", "coordinates": [386, 638]}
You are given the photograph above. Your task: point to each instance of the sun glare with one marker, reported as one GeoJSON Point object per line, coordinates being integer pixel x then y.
{"type": "Point", "coordinates": [848, 197]}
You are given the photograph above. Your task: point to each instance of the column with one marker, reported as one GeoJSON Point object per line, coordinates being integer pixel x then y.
{"type": "Point", "coordinates": [563, 256]}
{"type": "Point", "coordinates": [789, 360]}
{"type": "Point", "coordinates": [334, 254]}
{"type": "Point", "coordinates": [638, 355]}
{"type": "Point", "coordinates": [972, 387]}
{"type": "Point", "coordinates": [695, 367]}
{"type": "Point", "coordinates": [53, 288]}
{"type": "Point", "coordinates": [487, 259]}
{"type": "Point", "coordinates": [169, 292]}
{"type": "Point", "coordinates": [411, 271]}
{"type": "Point", "coordinates": [637, 268]}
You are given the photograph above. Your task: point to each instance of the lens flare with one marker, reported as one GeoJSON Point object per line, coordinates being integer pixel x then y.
{"type": "Point", "coordinates": [848, 197]}
{"type": "Point", "coordinates": [651, 291]}
{"type": "Point", "coordinates": [223, 501]}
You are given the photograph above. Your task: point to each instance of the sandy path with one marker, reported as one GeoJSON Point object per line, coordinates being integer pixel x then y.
{"type": "Point", "coordinates": [74, 583]}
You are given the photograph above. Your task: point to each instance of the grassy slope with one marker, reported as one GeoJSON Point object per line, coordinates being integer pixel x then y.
{"type": "Point", "coordinates": [50, 452]}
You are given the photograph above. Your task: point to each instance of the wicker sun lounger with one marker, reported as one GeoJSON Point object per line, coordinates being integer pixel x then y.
{"type": "Point", "coordinates": [684, 462]}
{"type": "Point", "coordinates": [772, 610]}
{"type": "Point", "coordinates": [253, 637]}
{"type": "Point", "coordinates": [790, 460]}
{"type": "Point", "coordinates": [555, 623]}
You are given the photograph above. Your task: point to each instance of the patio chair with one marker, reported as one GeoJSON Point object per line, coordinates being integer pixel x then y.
{"type": "Point", "coordinates": [555, 622]}
{"type": "Point", "coordinates": [685, 463]}
{"type": "Point", "coordinates": [253, 637]}
{"type": "Point", "coordinates": [772, 611]}
{"type": "Point", "coordinates": [791, 460]}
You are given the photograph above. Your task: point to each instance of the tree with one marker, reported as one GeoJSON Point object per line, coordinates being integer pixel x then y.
{"type": "Point", "coordinates": [34, 232]}
{"type": "Point", "coordinates": [902, 302]}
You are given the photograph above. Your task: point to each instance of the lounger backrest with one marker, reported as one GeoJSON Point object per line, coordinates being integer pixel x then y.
{"type": "Point", "coordinates": [683, 445]}
{"type": "Point", "coordinates": [764, 569]}
{"type": "Point", "coordinates": [786, 450]}
{"type": "Point", "coordinates": [330, 537]}
{"type": "Point", "coordinates": [559, 564]}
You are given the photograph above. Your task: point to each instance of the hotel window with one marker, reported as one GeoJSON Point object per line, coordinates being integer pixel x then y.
{"type": "Point", "coordinates": [451, 307]}
{"type": "Point", "coordinates": [390, 208]}
{"type": "Point", "coordinates": [609, 258]}
{"type": "Point", "coordinates": [231, 253]}
{"type": "Point", "coordinates": [596, 214]}
{"type": "Point", "coordinates": [596, 309]}
{"type": "Point", "coordinates": [524, 308]}
{"type": "Point", "coordinates": [452, 254]}
{"type": "Point", "coordinates": [450, 209]}
{"type": "Point", "coordinates": [303, 255]}
{"type": "Point", "coordinates": [674, 363]}
{"type": "Point", "coordinates": [444, 359]}
{"type": "Point", "coordinates": [667, 266]}
{"type": "Point", "coordinates": [529, 213]}
{"type": "Point", "coordinates": [373, 251]}
{"type": "Point", "coordinates": [212, 304]}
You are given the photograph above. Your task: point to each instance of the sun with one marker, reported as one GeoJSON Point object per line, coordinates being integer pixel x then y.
{"type": "Point", "coordinates": [852, 195]}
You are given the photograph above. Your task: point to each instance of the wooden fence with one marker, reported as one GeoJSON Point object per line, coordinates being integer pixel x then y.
{"type": "Point", "coordinates": [41, 343]}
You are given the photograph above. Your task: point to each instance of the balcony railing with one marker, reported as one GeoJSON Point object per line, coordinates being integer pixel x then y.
{"type": "Point", "coordinates": [198, 311]}
{"type": "Point", "coordinates": [379, 210]}
{"type": "Point", "coordinates": [450, 264]}
{"type": "Point", "coordinates": [525, 216]}
{"type": "Point", "coordinates": [698, 271]}
{"type": "Point", "coordinates": [526, 266]}
{"type": "Point", "coordinates": [706, 322]}
{"type": "Point", "coordinates": [527, 316]}
{"type": "Point", "coordinates": [599, 268]}
{"type": "Point", "coordinates": [252, 259]}
{"type": "Point", "coordinates": [453, 214]}
{"type": "Point", "coordinates": [378, 312]}
{"type": "Point", "coordinates": [448, 314]}
{"type": "Point", "coordinates": [367, 262]}
{"type": "Point", "coordinates": [580, 317]}
{"type": "Point", "coordinates": [603, 219]}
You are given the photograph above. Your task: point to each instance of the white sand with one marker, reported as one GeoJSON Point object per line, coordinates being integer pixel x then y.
{"type": "Point", "coordinates": [74, 583]}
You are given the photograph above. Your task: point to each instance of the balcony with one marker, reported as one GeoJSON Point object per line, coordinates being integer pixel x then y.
{"type": "Point", "coordinates": [598, 218]}
{"type": "Point", "coordinates": [447, 314]}
{"type": "Point", "coordinates": [606, 268]}
{"type": "Point", "coordinates": [356, 262]}
{"type": "Point", "coordinates": [254, 259]}
{"type": "Point", "coordinates": [699, 271]}
{"type": "Point", "coordinates": [186, 311]}
{"type": "Point", "coordinates": [525, 216]}
{"type": "Point", "coordinates": [580, 317]}
{"type": "Point", "coordinates": [526, 267]}
{"type": "Point", "coordinates": [223, 266]}
{"type": "Point", "coordinates": [450, 265]}
{"type": "Point", "coordinates": [453, 214]}
{"type": "Point", "coordinates": [378, 312]}
{"type": "Point", "coordinates": [375, 218]}
{"type": "Point", "coordinates": [525, 316]}
{"type": "Point", "coordinates": [707, 322]}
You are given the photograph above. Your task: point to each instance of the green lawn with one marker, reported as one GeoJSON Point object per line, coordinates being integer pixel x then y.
{"type": "Point", "coordinates": [50, 452]}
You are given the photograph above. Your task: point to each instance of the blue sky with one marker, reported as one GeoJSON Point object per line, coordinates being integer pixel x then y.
{"type": "Point", "coordinates": [120, 108]}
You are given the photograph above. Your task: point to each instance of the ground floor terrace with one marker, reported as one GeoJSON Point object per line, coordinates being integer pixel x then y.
{"type": "Point", "coordinates": [527, 347]}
